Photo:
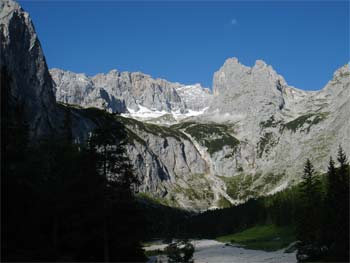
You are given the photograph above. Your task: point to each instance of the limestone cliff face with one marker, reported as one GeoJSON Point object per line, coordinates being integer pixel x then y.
{"type": "Point", "coordinates": [252, 139]}
{"type": "Point", "coordinates": [23, 62]}
{"type": "Point", "coordinates": [128, 92]}
{"type": "Point", "coordinates": [195, 149]}
{"type": "Point", "coordinates": [121, 90]}
{"type": "Point", "coordinates": [280, 125]}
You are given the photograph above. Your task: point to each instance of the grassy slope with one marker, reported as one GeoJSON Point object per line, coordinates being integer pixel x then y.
{"type": "Point", "coordinates": [265, 237]}
{"type": "Point", "coordinates": [213, 136]}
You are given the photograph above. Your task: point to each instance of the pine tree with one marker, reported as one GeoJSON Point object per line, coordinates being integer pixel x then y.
{"type": "Point", "coordinates": [342, 230]}
{"type": "Point", "coordinates": [336, 219]}
{"type": "Point", "coordinates": [343, 169]}
{"type": "Point", "coordinates": [331, 210]}
{"type": "Point", "coordinates": [309, 223]}
{"type": "Point", "coordinates": [122, 228]}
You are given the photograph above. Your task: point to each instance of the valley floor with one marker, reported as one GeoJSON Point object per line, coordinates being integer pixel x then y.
{"type": "Point", "coordinates": [212, 251]}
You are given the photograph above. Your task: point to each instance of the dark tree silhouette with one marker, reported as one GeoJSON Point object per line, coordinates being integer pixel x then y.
{"type": "Point", "coordinates": [122, 228]}
{"type": "Point", "coordinates": [310, 215]}
{"type": "Point", "coordinates": [337, 223]}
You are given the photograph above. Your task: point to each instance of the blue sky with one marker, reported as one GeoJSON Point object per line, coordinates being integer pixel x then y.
{"type": "Point", "coordinates": [305, 41]}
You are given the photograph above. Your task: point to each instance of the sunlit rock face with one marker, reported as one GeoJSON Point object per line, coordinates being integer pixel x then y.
{"type": "Point", "coordinates": [250, 137]}
{"type": "Point", "coordinates": [132, 93]}
{"type": "Point", "coordinates": [189, 147]}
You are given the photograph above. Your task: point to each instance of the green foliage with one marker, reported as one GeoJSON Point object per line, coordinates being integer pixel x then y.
{"type": "Point", "coordinates": [198, 188]}
{"type": "Point", "coordinates": [157, 130]}
{"type": "Point", "coordinates": [280, 209]}
{"type": "Point", "coordinates": [270, 123]}
{"type": "Point", "coordinates": [306, 121]}
{"type": "Point", "coordinates": [262, 237]}
{"type": "Point", "coordinates": [224, 203]}
{"type": "Point", "coordinates": [272, 179]}
{"type": "Point", "coordinates": [212, 136]}
{"type": "Point", "coordinates": [309, 219]}
{"type": "Point", "coordinates": [157, 200]}
{"type": "Point", "coordinates": [265, 143]}
{"type": "Point", "coordinates": [323, 225]}
{"type": "Point", "coordinates": [336, 217]}
{"type": "Point", "coordinates": [241, 187]}
{"type": "Point", "coordinates": [232, 185]}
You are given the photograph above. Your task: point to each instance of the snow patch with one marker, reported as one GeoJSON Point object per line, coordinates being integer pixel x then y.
{"type": "Point", "coordinates": [190, 113]}
{"type": "Point", "coordinates": [146, 113]}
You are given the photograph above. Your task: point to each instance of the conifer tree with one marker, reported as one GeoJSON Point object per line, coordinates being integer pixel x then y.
{"type": "Point", "coordinates": [122, 228]}
{"type": "Point", "coordinates": [331, 215]}
{"type": "Point", "coordinates": [342, 229]}
{"type": "Point", "coordinates": [309, 223]}
{"type": "Point", "coordinates": [336, 215]}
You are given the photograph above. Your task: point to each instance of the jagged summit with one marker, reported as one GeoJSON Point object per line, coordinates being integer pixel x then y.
{"type": "Point", "coordinates": [239, 74]}
{"type": "Point", "coordinates": [342, 71]}
{"type": "Point", "coordinates": [9, 6]}
{"type": "Point", "coordinates": [249, 138]}
{"type": "Point", "coordinates": [132, 93]}
{"type": "Point", "coordinates": [239, 89]}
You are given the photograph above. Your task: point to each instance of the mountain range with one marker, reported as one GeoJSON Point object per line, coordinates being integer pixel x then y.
{"type": "Point", "coordinates": [191, 147]}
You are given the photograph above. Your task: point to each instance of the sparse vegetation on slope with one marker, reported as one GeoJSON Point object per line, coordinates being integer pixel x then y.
{"type": "Point", "coordinates": [270, 123]}
{"type": "Point", "coordinates": [154, 129]}
{"type": "Point", "coordinates": [265, 143]}
{"type": "Point", "coordinates": [245, 186]}
{"type": "Point", "coordinates": [240, 187]}
{"type": "Point", "coordinates": [264, 237]}
{"type": "Point", "coordinates": [306, 121]}
{"type": "Point", "coordinates": [197, 189]}
{"type": "Point", "coordinates": [224, 203]}
{"type": "Point", "coordinates": [212, 136]}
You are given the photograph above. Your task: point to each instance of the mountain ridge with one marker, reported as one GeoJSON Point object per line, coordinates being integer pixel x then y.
{"type": "Point", "coordinates": [243, 145]}
{"type": "Point", "coordinates": [246, 135]}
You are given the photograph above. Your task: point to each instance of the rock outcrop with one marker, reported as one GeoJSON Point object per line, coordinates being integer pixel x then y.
{"type": "Point", "coordinates": [132, 93]}
{"type": "Point", "coordinates": [23, 63]}
{"type": "Point", "coordinates": [194, 149]}
{"type": "Point", "coordinates": [251, 136]}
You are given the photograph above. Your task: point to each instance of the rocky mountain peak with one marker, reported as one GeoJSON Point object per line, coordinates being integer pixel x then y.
{"type": "Point", "coordinates": [235, 77]}
{"type": "Point", "coordinates": [260, 63]}
{"type": "Point", "coordinates": [23, 63]}
{"type": "Point", "coordinates": [343, 71]}
{"type": "Point", "coordinates": [247, 90]}
{"type": "Point", "coordinates": [255, 135]}
{"type": "Point", "coordinates": [7, 7]}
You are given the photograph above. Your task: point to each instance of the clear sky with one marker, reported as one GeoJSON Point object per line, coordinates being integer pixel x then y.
{"type": "Point", "coordinates": [304, 41]}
